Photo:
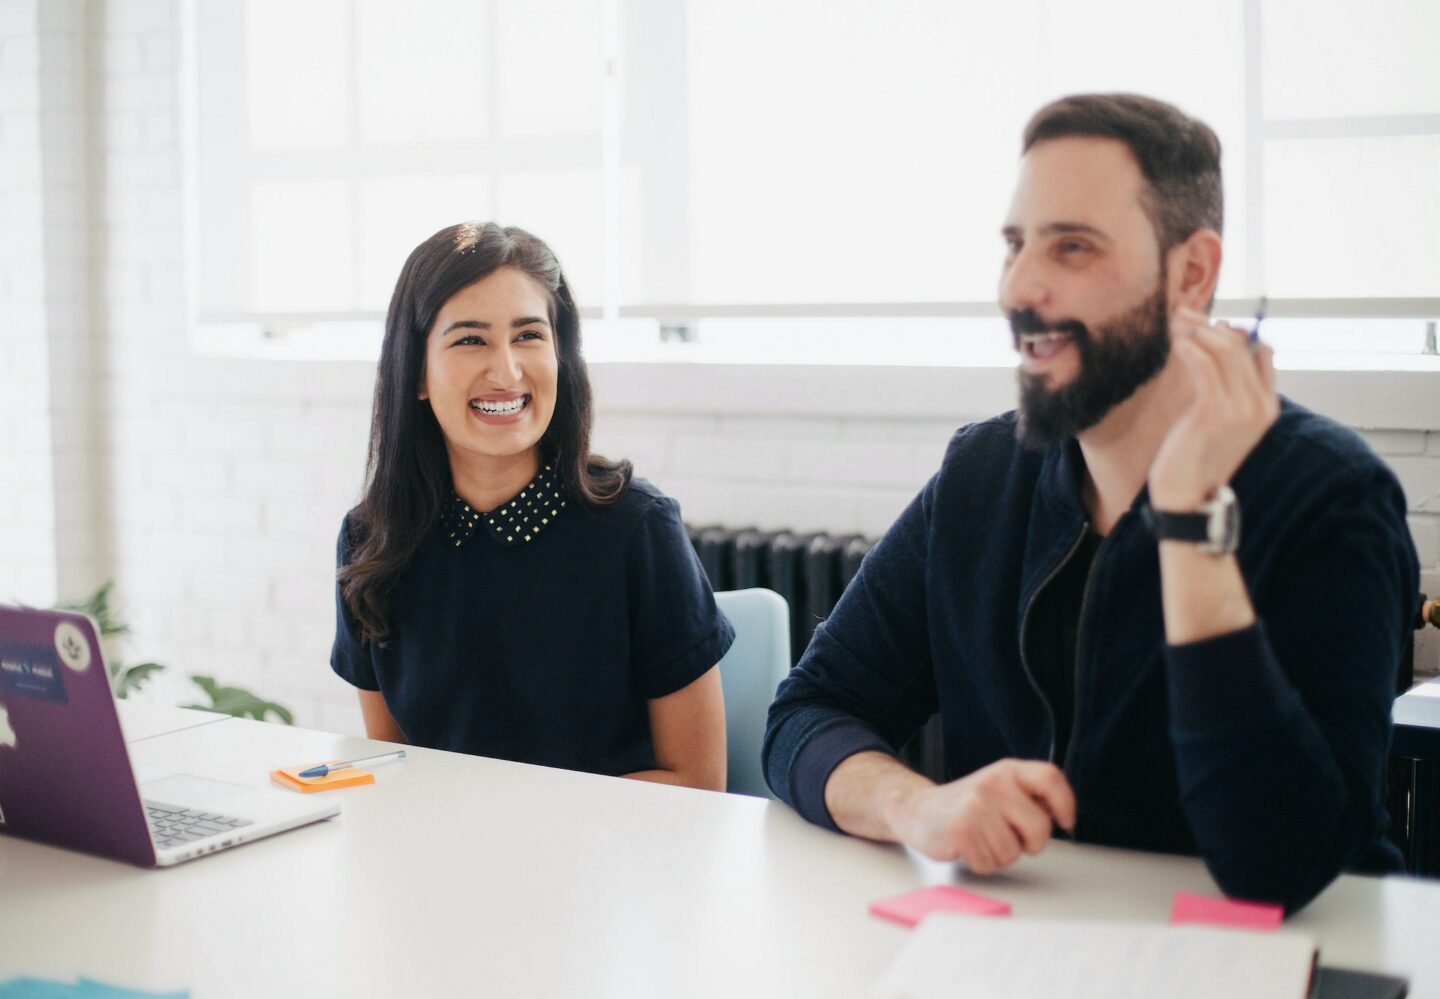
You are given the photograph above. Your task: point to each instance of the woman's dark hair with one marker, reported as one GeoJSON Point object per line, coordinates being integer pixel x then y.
{"type": "Point", "coordinates": [1179, 156]}
{"type": "Point", "coordinates": [407, 473]}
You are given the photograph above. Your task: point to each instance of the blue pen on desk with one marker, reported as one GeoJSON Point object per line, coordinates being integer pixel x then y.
{"type": "Point", "coordinates": [323, 769]}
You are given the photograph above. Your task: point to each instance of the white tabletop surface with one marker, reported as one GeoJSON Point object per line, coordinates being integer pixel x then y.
{"type": "Point", "coordinates": [462, 875]}
{"type": "Point", "coordinates": [145, 721]}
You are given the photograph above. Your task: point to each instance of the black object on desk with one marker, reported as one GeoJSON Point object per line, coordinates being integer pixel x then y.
{"type": "Point", "coordinates": [1416, 749]}
{"type": "Point", "coordinates": [1342, 983]}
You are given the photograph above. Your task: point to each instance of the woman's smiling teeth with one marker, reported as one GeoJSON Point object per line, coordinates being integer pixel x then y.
{"type": "Point", "coordinates": [507, 407]}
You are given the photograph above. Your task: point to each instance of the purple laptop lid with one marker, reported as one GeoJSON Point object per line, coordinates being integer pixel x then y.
{"type": "Point", "coordinates": [65, 774]}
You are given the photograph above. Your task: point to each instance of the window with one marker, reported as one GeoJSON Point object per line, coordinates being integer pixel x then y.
{"type": "Point", "coordinates": [709, 164]}
{"type": "Point", "coordinates": [335, 135]}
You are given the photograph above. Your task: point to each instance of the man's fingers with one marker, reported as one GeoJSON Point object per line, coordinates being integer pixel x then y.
{"type": "Point", "coordinates": [1204, 372]}
{"type": "Point", "coordinates": [1028, 819]}
{"type": "Point", "coordinates": [1046, 783]}
{"type": "Point", "coordinates": [1004, 844]}
{"type": "Point", "coordinates": [1265, 363]}
{"type": "Point", "coordinates": [1230, 351]}
{"type": "Point", "coordinates": [1031, 822]}
{"type": "Point", "coordinates": [977, 854]}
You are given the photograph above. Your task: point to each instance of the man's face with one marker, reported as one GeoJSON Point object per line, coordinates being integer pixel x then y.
{"type": "Point", "coordinates": [1083, 286]}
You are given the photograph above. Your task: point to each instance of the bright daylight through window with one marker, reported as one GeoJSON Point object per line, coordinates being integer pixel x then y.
{"type": "Point", "coordinates": [765, 176]}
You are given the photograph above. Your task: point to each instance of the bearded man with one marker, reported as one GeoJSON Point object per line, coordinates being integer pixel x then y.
{"type": "Point", "coordinates": [1114, 652]}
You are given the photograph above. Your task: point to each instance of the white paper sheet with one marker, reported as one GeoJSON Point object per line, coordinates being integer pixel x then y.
{"type": "Point", "coordinates": [951, 955]}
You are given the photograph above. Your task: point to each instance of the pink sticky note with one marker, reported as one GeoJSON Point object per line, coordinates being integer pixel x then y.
{"type": "Point", "coordinates": [1190, 908]}
{"type": "Point", "coordinates": [914, 906]}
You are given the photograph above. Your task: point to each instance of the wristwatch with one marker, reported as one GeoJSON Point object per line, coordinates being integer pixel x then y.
{"type": "Point", "coordinates": [1214, 527]}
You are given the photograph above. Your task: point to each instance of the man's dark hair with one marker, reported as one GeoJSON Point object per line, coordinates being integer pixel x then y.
{"type": "Point", "coordinates": [1179, 156]}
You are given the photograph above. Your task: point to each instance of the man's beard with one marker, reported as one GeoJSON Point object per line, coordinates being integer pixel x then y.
{"type": "Point", "coordinates": [1126, 354]}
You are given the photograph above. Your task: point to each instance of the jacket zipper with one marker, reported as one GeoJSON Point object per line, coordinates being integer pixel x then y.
{"type": "Point", "coordinates": [1025, 630]}
{"type": "Point", "coordinates": [1079, 650]}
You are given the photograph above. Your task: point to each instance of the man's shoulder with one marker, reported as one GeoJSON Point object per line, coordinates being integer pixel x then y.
{"type": "Point", "coordinates": [1304, 444]}
{"type": "Point", "coordinates": [992, 438]}
{"type": "Point", "coordinates": [988, 455]}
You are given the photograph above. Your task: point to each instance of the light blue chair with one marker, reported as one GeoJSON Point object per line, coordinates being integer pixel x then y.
{"type": "Point", "coordinates": [750, 672]}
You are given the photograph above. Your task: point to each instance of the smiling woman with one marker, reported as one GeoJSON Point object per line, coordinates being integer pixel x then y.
{"type": "Point", "coordinates": [491, 372]}
{"type": "Point", "coordinates": [501, 590]}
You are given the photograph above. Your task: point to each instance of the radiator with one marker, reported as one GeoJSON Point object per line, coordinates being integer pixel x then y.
{"type": "Point", "coordinates": [809, 570]}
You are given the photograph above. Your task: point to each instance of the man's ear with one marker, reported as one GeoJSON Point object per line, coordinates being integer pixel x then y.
{"type": "Point", "coordinates": [1194, 269]}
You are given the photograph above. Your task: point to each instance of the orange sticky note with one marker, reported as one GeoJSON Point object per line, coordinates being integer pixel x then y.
{"type": "Point", "coordinates": [913, 906]}
{"type": "Point", "coordinates": [1190, 908]}
{"type": "Point", "coordinates": [349, 777]}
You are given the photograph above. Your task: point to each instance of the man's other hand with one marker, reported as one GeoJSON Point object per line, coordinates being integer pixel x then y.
{"type": "Point", "coordinates": [988, 818]}
{"type": "Point", "coordinates": [1234, 402]}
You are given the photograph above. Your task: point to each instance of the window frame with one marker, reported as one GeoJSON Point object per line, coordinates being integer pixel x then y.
{"type": "Point", "coordinates": [299, 334]}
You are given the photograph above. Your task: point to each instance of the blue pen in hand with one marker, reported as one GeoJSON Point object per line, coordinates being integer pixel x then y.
{"type": "Point", "coordinates": [1254, 337]}
{"type": "Point", "coordinates": [324, 769]}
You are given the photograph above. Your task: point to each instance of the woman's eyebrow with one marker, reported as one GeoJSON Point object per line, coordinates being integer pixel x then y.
{"type": "Point", "coordinates": [465, 324]}
{"type": "Point", "coordinates": [480, 324]}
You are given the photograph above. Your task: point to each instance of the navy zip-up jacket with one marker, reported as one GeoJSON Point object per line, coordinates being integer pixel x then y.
{"type": "Point", "coordinates": [1264, 750]}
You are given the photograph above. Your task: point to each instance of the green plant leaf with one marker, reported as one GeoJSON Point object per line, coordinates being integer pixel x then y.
{"type": "Point", "coordinates": [124, 679]}
{"type": "Point", "coordinates": [132, 678]}
{"type": "Point", "coordinates": [97, 606]}
{"type": "Point", "coordinates": [238, 702]}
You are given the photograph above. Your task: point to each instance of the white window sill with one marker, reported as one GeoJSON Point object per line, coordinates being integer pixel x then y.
{"type": "Point", "coordinates": [1392, 392]}
{"type": "Point", "coordinates": [633, 373]}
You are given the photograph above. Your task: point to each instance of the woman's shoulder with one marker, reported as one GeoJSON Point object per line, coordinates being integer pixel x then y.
{"type": "Point", "coordinates": [641, 499]}
{"type": "Point", "coordinates": [354, 529]}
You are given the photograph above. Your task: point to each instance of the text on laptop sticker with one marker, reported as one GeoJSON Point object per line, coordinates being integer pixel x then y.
{"type": "Point", "coordinates": [31, 671]}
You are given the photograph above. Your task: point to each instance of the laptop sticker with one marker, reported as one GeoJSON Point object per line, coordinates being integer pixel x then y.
{"type": "Point", "coordinates": [31, 671]}
{"type": "Point", "coordinates": [7, 738]}
{"type": "Point", "coordinates": [70, 643]}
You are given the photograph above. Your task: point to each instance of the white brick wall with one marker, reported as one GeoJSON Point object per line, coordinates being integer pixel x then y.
{"type": "Point", "coordinates": [29, 565]}
{"type": "Point", "coordinates": [221, 483]}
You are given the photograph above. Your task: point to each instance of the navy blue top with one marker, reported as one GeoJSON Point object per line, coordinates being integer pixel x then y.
{"type": "Point", "coordinates": [542, 650]}
{"type": "Point", "coordinates": [1264, 750]}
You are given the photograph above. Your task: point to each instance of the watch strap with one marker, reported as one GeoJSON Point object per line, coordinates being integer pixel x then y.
{"type": "Point", "coordinates": [1176, 526]}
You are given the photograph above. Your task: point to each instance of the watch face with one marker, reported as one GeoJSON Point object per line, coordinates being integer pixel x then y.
{"type": "Point", "coordinates": [1224, 526]}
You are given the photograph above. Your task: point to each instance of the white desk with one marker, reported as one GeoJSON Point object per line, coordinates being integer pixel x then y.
{"type": "Point", "coordinates": [146, 721]}
{"type": "Point", "coordinates": [460, 875]}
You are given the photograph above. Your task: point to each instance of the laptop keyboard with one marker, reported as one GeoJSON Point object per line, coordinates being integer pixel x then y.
{"type": "Point", "coordinates": [172, 826]}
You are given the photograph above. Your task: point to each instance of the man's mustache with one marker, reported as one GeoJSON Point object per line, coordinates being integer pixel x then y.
{"type": "Point", "coordinates": [1024, 321]}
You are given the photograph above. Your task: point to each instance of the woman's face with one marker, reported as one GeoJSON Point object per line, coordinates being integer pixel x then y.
{"type": "Point", "coordinates": [491, 369]}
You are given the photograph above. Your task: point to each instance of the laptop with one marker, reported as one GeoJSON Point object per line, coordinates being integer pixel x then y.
{"type": "Point", "coordinates": [65, 774]}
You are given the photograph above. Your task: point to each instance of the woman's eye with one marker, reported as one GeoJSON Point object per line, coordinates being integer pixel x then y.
{"type": "Point", "coordinates": [530, 335]}
{"type": "Point", "coordinates": [468, 341]}
{"type": "Point", "coordinates": [1071, 246]}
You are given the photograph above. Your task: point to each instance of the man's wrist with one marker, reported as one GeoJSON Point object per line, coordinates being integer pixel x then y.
{"type": "Point", "coordinates": [1169, 499]}
{"type": "Point", "coordinates": [901, 802]}
{"type": "Point", "coordinates": [1212, 525]}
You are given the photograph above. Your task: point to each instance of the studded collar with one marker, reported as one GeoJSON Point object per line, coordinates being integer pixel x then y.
{"type": "Point", "coordinates": [514, 522]}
